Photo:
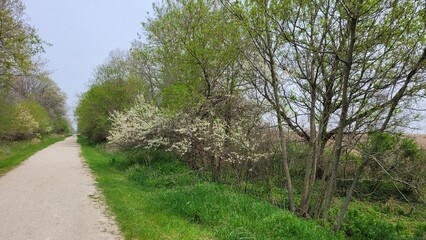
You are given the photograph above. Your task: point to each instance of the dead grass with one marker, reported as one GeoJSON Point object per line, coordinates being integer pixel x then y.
{"type": "Point", "coordinates": [420, 139]}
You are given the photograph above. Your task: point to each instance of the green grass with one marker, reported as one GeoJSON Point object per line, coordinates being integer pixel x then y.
{"type": "Point", "coordinates": [135, 207]}
{"type": "Point", "coordinates": [13, 153]}
{"type": "Point", "coordinates": [383, 220]}
{"type": "Point", "coordinates": [166, 200]}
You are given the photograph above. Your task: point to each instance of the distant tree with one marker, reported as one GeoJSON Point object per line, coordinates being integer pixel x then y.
{"type": "Point", "coordinates": [37, 86]}
{"type": "Point", "coordinates": [113, 88]}
{"type": "Point", "coordinates": [6, 117]}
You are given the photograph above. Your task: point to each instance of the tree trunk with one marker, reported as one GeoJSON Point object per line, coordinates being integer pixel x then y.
{"type": "Point", "coordinates": [337, 149]}
{"type": "Point", "coordinates": [284, 159]}
{"type": "Point", "coordinates": [311, 161]}
{"type": "Point", "coordinates": [283, 142]}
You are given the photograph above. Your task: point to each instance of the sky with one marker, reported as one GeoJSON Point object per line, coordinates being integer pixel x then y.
{"type": "Point", "coordinates": [82, 33]}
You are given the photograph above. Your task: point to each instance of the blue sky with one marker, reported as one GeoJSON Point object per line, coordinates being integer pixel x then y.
{"type": "Point", "coordinates": [82, 34]}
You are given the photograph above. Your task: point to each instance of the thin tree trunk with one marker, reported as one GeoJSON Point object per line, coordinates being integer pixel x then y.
{"type": "Point", "coordinates": [284, 159]}
{"type": "Point", "coordinates": [277, 106]}
{"type": "Point", "coordinates": [337, 149]}
{"type": "Point", "coordinates": [316, 209]}
{"type": "Point", "coordinates": [283, 142]}
{"type": "Point", "coordinates": [310, 163]}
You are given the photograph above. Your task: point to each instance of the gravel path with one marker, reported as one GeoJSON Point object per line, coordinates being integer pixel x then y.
{"type": "Point", "coordinates": [52, 196]}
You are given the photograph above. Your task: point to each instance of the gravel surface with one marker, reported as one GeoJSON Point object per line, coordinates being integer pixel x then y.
{"type": "Point", "coordinates": [52, 196]}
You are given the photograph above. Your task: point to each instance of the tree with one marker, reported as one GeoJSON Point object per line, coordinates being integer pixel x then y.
{"type": "Point", "coordinates": [114, 88]}
{"type": "Point", "coordinates": [24, 85]}
{"type": "Point", "coordinates": [19, 41]}
{"type": "Point", "coordinates": [341, 69]}
{"type": "Point", "coordinates": [195, 47]}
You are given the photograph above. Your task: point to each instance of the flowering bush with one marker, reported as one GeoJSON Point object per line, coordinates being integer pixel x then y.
{"type": "Point", "coordinates": [26, 119]}
{"type": "Point", "coordinates": [25, 124]}
{"type": "Point", "coordinates": [137, 127]}
{"type": "Point", "coordinates": [146, 126]}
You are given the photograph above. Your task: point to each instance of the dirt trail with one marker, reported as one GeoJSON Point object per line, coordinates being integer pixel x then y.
{"type": "Point", "coordinates": [52, 196]}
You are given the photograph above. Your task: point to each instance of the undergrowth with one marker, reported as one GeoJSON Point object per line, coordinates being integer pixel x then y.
{"type": "Point", "coordinates": [155, 196]}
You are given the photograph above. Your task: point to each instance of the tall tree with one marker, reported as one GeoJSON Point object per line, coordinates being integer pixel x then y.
{"type": "Point", "coordinates": [340, 66]}
{"type": "Point", "coordinates": [196, 47]}
{"type": "Point", "coordinates": [262, 59]}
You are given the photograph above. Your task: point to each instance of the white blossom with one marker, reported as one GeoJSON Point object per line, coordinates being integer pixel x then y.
{"type": "Point", "coordinates": [146, 126]}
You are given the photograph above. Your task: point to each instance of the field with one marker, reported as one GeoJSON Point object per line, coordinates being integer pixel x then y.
{"type": "Point", "coordinates": [420, 139]}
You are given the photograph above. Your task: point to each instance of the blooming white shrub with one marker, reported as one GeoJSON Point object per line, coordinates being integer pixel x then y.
{"type": "Point", "coordinates": [25, 122]}
{"type": "Point", "coordinates": [146, 126]}
{"type": "Point", "coordinates": [137, 127]}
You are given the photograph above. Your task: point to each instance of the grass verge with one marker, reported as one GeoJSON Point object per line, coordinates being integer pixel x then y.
{"type": "Point", "coordinates": [166, 200]}
{"type": "Point", "coordinates": [13, 153]}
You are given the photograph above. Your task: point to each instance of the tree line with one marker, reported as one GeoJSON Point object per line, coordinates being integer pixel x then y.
{"type": "Point", "coordinates": [31, 104]}
{"type": "Point", "coordinates": [302, 95]}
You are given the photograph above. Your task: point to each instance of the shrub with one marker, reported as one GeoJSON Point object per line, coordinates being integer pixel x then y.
{"type": "Point", "coordinates": [40, 115]}
{"type": "Point", "coordinates": [369, 225]}
{"type": "Point", "coordinates": [147, 127]}
{"type": "Point", "coordinates": [24, 124]}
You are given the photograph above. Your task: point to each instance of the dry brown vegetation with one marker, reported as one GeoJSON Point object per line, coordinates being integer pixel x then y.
{"type": "Point", "coordinates": [420, 139]}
